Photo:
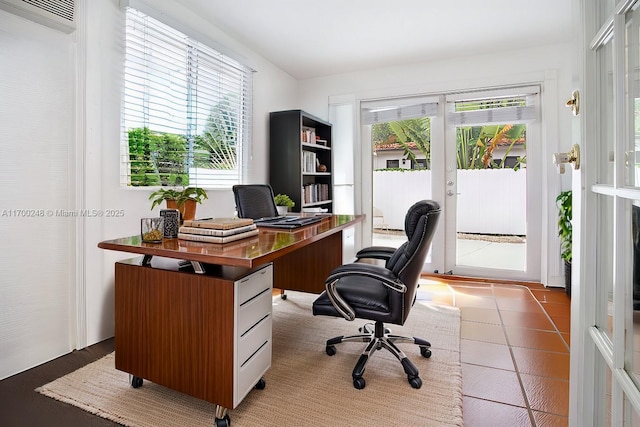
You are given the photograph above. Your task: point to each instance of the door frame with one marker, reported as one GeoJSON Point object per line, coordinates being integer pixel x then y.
{"type": "Point", "coordinates": [593, 354]}
{"type": "Point", "coordinates": [551, 269]}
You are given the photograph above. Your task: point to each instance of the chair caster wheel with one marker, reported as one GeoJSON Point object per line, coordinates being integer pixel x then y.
{"type": "Point", "coordinates": [136, 382]}
{"type": "Point", "coordinates": [331, 350]}
{"type": "Point", "coordinates": [261, 384]}
{"type": "Point", "coordinates": [283, 296]}
{"type": "Point", "coordinates": [425, 352]}
{"type": "Point", "coordinates": [223, 422]}
{"type": "Point", "coordinates": [359, 383]}
{"type": "Point", "coordinates": [415, 382]}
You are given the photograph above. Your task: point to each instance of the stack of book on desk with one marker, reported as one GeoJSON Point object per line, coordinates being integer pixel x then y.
{"type": "Point", "coordinates": [217, 230]}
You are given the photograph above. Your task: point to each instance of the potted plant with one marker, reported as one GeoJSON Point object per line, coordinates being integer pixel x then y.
{"type": "Point", "coordinates": [283, 203]}
{"type": "Point", "coordinates": [184, 200]}
{"type": "Point", "coordinates": [563, 201]}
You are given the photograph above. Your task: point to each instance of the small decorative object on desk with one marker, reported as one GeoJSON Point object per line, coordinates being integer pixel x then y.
{"type": "Point", "coordinates": [152, 229]}
{"type": "Point", "coordinates": [171, 222]}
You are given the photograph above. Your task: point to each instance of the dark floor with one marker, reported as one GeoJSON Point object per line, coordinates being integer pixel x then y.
{"type": "Point", "coordinates": [21, 406]}
{"type": "Point", "coordinates": [514, 354]}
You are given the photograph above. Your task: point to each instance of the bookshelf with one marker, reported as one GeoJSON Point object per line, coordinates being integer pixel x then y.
{"type": "Point", "coordinates": [301, 159]}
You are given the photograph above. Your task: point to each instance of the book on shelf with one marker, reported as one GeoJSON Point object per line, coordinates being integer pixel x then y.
{"type": "Point", "coordinates": [312, 193]}
{"type": "Point", "coordinates": [308, 135]}
{"type": "Point", "coordinates": [309, 161]}
{"type": "Point", "coordinates": [218, 223]}
{"type": "Point", "coordinates": [216, 232]}
{"type": "Point", "coordinates": [217, 239]}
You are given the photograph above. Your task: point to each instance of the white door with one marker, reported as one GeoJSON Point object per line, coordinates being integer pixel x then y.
{"type": "Point", "coordinates": [492, 175]}
{"type": "Point", "coordinates": [605, 336]}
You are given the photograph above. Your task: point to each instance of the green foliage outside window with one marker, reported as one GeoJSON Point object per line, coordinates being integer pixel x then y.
{"type": "Point", "coordinates": [157, 158]}
{"type": "Point", "coordinates": [163, 159]}
{"type": "Point", "coordinates": [475, 145]}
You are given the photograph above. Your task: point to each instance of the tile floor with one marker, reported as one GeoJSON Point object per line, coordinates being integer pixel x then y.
{"type": "Point", "coordinates": [514, 351]}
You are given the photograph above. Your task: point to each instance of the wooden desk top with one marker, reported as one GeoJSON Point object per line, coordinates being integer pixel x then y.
{"type": "Point", "coordinates": [268, 245]}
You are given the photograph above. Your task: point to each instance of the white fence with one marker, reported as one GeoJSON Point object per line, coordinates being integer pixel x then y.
{"type": "Point", "coordinates": [491, 201]}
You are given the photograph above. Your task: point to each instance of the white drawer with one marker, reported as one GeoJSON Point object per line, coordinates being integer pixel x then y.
{"type": "Point", "coordinates": [253, 339]}
{"type": "Point", "coordinates": [253, 284]}
{"type": "Point", "coordinates": [249, 374]}
{"type": "Point", "coordinates": [253, 311]}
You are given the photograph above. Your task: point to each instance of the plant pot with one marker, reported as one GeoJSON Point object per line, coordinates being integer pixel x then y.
{"type": "Point", "coordinates": [187, 210]}
{"type": "Point", "coordinates": [567, 278]}
{"type": "Point", "coordinates": [282, 210]}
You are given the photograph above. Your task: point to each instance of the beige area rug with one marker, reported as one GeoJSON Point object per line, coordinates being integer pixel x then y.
{"type": "Point", "coordinates": [305, 386]}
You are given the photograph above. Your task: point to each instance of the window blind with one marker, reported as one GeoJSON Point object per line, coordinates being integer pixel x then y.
{"type": "Point", "coordinates": [186, 109]}
{"type": "Point", "coordinates": [384, 111]}
{"type": "Point", "coordinates": [513, 109]}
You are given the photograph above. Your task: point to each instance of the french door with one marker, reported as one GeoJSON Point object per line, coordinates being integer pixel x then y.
{"type": "Point", "coordinates": [478, 154]}
{"type": "Point", "coordinates": [605, 336]}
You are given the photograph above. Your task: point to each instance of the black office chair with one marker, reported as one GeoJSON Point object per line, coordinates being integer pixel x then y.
{"type": "Point", "coordinates": [382, 294]}
{"type": "Point", "coordinates": [255, 201]}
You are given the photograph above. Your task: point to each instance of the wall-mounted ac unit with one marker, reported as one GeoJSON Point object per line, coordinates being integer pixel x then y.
{"type": "Point", "coordinates": [58, 14]}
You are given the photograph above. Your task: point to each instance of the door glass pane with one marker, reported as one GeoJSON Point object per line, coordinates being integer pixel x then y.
{"type": "Point", "coordinates": [604, 269]}
{"type": "Point", "coordinates": [491, 199]}
{"type": "Point", "coordinates": [605, 111]}
{"type": "Point", "coordinates": [401, 175]}
{"type": "Point", "coordinates": [605, 10]}
{"type": "Point", "coordinates": [632, 105]}
{"type": "Point", "coordinates": [633, 345]}
{"type": "Point", "coordinates": [602, 413]}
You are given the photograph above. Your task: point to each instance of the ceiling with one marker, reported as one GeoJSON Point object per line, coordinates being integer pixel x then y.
{"type": "Point", "coordinates": [314, 38]}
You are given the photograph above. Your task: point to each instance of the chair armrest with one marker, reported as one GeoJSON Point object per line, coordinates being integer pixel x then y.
{"type": "Point", "coordinates": [374, 271]}
{"type": "Point", "coordinates": [376, 252]}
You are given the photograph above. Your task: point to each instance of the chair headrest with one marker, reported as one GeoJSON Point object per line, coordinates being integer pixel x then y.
{"type": "Point", "coordinates": [417, 211]}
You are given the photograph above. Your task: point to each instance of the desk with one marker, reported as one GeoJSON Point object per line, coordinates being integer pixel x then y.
{"type": "Point", "coordinates": [206, 330]}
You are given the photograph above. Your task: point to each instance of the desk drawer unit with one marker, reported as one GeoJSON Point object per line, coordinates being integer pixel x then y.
{"type": "Point", "coordinates": [206, 335]}
{"type": "Point", "coordinates": [253, 296]}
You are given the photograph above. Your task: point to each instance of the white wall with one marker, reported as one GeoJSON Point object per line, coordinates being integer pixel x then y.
{"type": "Point", "coordinates": [273, 90]}
{"type": "Point", "coordinates": [550, 65]}
{"type": "Point", "coordinates": [37, 141]}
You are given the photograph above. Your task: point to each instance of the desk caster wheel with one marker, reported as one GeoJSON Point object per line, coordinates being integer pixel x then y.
{"type": "Point", "coordinates": [425, 352]}
{"type": "Point", "coordinates": [136, 382]}
{"type": "Point", "coordinates": [261, 384]}
{"type": "Point", "coordinates": [223, 422]}
{"type": "Point", "coordinates": [359, 383]}
{"type": "Point", "coordinates": [331, 350]}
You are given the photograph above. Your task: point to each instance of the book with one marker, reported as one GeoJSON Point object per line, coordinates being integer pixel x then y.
{"type": "Point", "coordinates": [218, 223]}
{"type": "Point", "coordinates": [216, 232]}
{"type": "Point", "coordinates": [217, 239]}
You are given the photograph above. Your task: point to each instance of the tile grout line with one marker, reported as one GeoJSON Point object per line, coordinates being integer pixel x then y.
{"type": "Point", "coordinates": [513, 359]}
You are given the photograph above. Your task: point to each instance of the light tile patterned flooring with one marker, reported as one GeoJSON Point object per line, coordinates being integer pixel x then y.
{"type": "Point", "coordinates": [514, 351]}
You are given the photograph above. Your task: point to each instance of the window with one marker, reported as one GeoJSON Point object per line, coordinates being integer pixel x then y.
{"type": "Point", "coordinates": [393, 164]}
{"type": "Point", "coordinates": [419, 164]}
{"type": "Point", "coordinates": [186, 109]}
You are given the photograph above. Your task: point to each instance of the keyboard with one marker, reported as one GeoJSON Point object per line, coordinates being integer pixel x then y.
{"type": "Point", "coordinates": [292, 222]}
{"type": "Point", "coordinates": [271, 219]}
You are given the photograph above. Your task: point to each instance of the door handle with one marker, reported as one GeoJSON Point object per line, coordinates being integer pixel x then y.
{"type": "Point", "coordinates": [573, 156]}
